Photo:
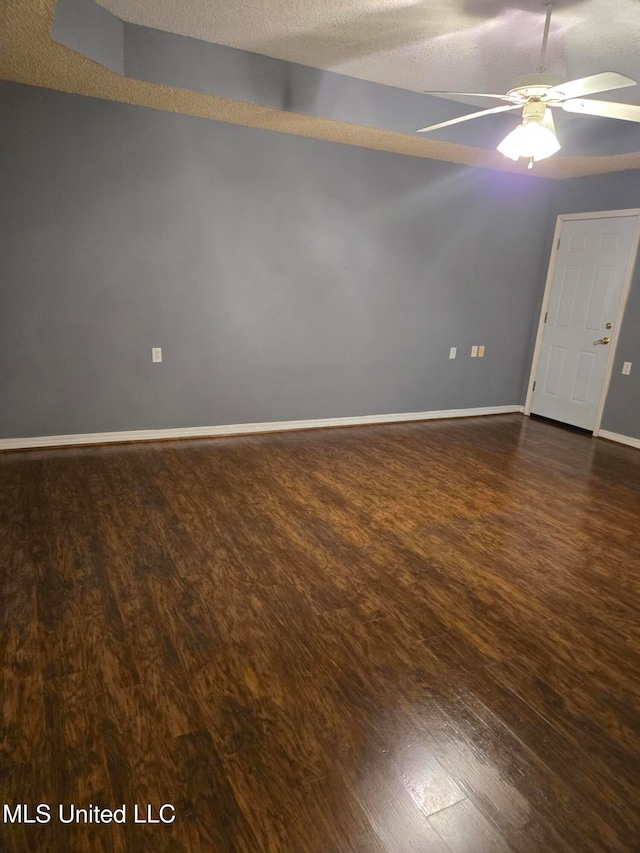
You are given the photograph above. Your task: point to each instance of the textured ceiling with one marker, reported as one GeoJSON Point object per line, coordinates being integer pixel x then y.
{"type": "Point", "coordinates": [463, 45]}
{"type": "Point", "coordinates": [28, 55]}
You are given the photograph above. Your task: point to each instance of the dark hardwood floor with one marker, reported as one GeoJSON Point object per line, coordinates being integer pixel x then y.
{"type": "Point", "coordinates": [422, 637]}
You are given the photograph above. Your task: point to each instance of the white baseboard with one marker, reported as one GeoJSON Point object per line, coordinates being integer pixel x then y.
{"type": "Point", "coordinates": [621, 439]}
{"type": "Point", "coordinates": [241, 429]}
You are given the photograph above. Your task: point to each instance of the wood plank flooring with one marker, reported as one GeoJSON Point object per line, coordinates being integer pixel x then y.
{"type": "Point", "coordinates": [409, 638]}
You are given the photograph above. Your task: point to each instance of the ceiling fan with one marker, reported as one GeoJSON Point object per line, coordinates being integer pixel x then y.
{"type": "Point", "coordinates": [535, 138]}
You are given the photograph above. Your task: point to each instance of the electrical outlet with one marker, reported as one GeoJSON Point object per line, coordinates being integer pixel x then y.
{"type": "Point", "coordinates": [156, 354]}
{"type": "Point", "coordinates": [474, 352]}
{"type": "Point", "coordinates": [453, 352]}
{"type": "Point", "coordinates": [481, 352]}
{"type": "Point", "coordinates": [626, 368]}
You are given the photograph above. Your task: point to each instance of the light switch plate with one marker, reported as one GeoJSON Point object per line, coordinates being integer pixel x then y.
{"type": "Point", "coordinates": [481, 351]}
{"type": "Point", "coordinates": [474, 352]}
{"type": "Point", "coordinates": [452, 352]}
{"type": "Point", "coordinates": [626, 368]}
{"type": "Point", "coordinates": [156, 354]}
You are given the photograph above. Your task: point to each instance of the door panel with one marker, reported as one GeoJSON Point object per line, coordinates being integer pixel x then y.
{"type": "Point", "coordinates": [599, 299]}
{"type": "Point", "coordinates": [590, 271]}
{"type": "Point", "coordinates": [554, 371]}
{"type": "Point", "coordinates": [584, 377]}
{"type": "Point", "coordinates": [568, 292]}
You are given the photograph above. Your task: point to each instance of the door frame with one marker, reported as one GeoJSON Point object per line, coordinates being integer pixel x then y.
{"type": "Point", "coordinates": [626, 287]}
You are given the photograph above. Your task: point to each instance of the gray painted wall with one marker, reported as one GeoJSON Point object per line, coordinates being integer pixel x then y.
{"type": "Point", "coordinates": [87, 28]}
{"type": "Point", "coordinates": [283, 277]}
{"type": "Point", "coordinates": [616, 191]}
{"type": "Point", "coordinates": [214, 69]}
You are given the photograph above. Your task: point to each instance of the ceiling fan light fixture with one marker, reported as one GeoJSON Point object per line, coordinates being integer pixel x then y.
{"type": "Point", "coordinates": [535, 138]}
{"type": "Point", "coordinates": [532, 140]}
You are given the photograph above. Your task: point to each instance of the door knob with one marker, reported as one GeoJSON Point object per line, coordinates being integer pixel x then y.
{"type": "Point", "coordinates": [602, 341]}
{"type": "Point", "coordinates": [609, 326]}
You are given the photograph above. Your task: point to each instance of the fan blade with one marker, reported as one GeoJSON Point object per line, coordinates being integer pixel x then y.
{"type": "Point", "coordinates": [469, 116]}
{"type": "Point", "coordinates": [470, 95]}
{"type": "Point", "coordinates": [589, 86]}
{"type": "Point", "coordinates": [606, 109]}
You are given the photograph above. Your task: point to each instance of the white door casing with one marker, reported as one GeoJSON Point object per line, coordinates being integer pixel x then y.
{"type": "Point", "coordinates": [587, 285]}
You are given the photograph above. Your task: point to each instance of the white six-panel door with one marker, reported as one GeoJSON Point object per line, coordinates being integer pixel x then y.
{"type": "Point", "coordinates": [591, 268]}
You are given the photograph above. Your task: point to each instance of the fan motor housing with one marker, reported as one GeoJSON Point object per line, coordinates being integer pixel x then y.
{"type": "Point", "coordinates": [534, 110]}
{"type": "Point", "coordinates": [534, 85]}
